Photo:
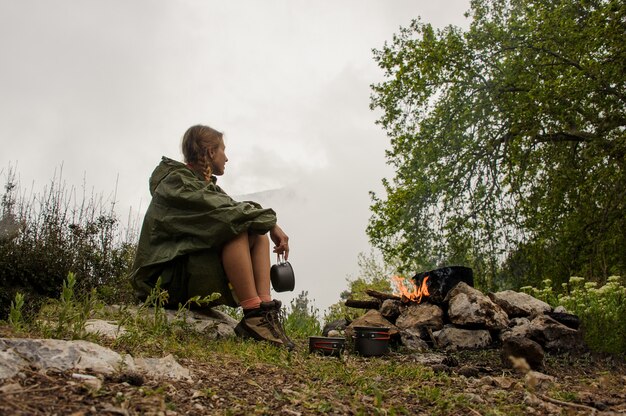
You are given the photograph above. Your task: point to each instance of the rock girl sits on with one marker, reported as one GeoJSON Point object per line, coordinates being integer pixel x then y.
{"type": "Point", "coordinates": [197, 239]}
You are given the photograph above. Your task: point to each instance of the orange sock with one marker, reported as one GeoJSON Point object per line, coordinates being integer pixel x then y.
{"type": "Point", "coordinates": [251, 303]}
{"type": "Point", "coordinates": [265, 298]}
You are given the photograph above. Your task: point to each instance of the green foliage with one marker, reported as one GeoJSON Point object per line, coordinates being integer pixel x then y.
{"type": "Point", "coordinates": [66, 317]}
{"type": "Point", "coordinates": [16, 319]}
{"type": "Point", "coordinates": [508, 142]}
{"type": "Point", "coordinates": [374, 275]}
{"type": "Point", "coordinates": [302, 319]}
{"type": "Point", "coordinates": [600, 309]}
{"type": "Point", "coordinates": [152, 328]}
{"type": "Point", "coordinates": [55, 232]}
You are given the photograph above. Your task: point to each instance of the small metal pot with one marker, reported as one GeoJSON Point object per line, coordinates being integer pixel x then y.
{"type": "Point", "coordinates": [327, 345]}
{"type": "Point", "coordinates": [282, 276]}
{"type": "Point", "coordinates": [371, 341]}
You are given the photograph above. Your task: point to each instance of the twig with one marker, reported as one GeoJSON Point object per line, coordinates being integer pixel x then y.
{"type": "Point", "coordinates": [15, 392]}
{"type": "Point", "coordinates": [576, 405]}
{"type": "Point", "coordinates": [432, 337]}
{"type": "Point", "coordinates": [474, 411]}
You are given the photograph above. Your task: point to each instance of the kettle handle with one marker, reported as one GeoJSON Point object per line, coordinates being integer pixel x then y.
{"type": "Point", "coordinates": [280, 258]}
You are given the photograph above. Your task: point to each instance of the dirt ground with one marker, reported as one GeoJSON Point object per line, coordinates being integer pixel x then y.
{"type": "Point", "coordinates": [472, 383]}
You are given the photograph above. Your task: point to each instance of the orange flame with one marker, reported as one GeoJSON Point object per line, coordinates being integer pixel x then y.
{"type": "Point", "coordinates": [412, 293]}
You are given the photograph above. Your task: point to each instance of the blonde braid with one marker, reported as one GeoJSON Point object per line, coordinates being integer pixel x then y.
{"type": "Point", "coordinates": [197, 142]}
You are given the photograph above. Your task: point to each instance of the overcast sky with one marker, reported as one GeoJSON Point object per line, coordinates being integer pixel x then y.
{"type": "Point", "coordinates": [104, 88]}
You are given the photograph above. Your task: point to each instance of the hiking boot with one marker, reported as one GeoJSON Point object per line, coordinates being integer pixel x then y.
{"type": "Point", "coordinates": [276, 316]}
{"type": "Point", "coordinates": [260, 324]}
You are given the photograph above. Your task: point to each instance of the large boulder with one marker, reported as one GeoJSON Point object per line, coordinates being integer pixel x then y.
{"type": "Point", "coordinates": [211, 322]}
{"type": "Point", "coordinates": [62, 355]}
{"type": "Point", "coordinates": [554, 336]}
{"type": "Point", "coordinates": [520, 347]}
{"type": "Point", "coordinates": [421, 315]}
{"type": "Point", "coordinates": [469, 307]}
{"type": "Point", "coordinates": [19, 353]}
{"type": "Point", "coordinates": [517, 304]}
{"type": "Point", "coordinates": [454, 338]}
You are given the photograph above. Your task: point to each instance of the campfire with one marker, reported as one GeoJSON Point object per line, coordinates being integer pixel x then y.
{"type": "Point", "coordinates": [408, 291]}
{"type": "Point", "coordinates": [441, 310]}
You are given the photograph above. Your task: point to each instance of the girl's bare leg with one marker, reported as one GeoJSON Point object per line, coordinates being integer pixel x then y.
{"type": "Point", "coordinates": [237, 264]}
{"type": "Point", "coordinates": [259, 252]}
{"type": "Point", "coordinates": [247, 264]}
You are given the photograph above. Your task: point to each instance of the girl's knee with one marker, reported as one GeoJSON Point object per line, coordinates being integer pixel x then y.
{"type": "Point", "coordinates": [256, 239]}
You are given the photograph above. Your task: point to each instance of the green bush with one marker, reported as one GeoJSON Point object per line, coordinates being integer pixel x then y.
{"type": "Point", "coordinates": [302, 320]}
{"type": "Point", "coordinates": [373, 274]}
{"type": "Point", "coordinates": [601, 309]}
{"type": "Point", "coordinates": [53, 233]}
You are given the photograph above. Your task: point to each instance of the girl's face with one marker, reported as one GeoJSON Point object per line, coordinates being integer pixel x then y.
{"type": "Point", "coordinates": [218, 159]}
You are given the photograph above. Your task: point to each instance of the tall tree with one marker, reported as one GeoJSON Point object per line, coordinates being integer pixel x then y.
{"type": "Point", "coordinates": [508, 142]}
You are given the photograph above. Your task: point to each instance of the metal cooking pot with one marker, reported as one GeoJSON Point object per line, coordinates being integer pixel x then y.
{"type": "Point", "coordinates": [282, 276]}
{"type": "Point", "coordinates": [327, 345]}
{"type": "Point", "coordinates": [371, 341]}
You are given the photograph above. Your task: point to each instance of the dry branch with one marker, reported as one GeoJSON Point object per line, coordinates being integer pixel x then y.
{"type": "Point", "coordinates": [381, 295]}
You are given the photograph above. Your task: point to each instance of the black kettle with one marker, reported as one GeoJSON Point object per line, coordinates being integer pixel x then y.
{"type": "Point", "coordinates": [282, 276]}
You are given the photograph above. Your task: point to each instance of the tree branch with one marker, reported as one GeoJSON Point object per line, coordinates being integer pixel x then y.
{"type": "Point", "coordinates": [565, 136]}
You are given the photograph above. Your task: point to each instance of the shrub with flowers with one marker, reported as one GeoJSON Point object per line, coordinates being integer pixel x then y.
{"type": "Point", "coordinates": [602, 310]}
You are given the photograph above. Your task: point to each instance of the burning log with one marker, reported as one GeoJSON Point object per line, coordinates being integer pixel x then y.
{"type": "Point", "coordinates": [411, 293]}
{"type": "Point", "coordinates": [363, 304]}
{"type": "Point", "coordinates": [381, 295]}
{"type": "Point", "coordinates": [440, 281]}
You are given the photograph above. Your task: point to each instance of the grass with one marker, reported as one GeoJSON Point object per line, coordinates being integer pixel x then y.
{"type": "Point", "coordinates": [234, 376]}
{"type": "Point", "coordinates": [243, 377]}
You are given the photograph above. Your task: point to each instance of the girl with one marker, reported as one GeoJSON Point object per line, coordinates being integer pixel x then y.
{"type": "Point", "coordinates": [198, 241]}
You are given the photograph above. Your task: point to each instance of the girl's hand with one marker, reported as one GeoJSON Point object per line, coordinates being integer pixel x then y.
{"type": "Point", "coordinates": [281, 241]}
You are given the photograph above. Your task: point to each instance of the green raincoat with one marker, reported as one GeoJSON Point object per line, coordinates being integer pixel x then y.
{"type": "Point", "coordinates": [187, 222]}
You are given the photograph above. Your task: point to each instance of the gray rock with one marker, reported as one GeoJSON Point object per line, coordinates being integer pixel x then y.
{"type": "Point", "coordinates": [517, 304]}
{"type": "Point", "coordinates": [518, 327]}
{"type": "Point", "coordinates": [470, 307]}
{"type": "Point", "coordinates": [19, 353]}
{"type": "Point", "coordinates": [10, 364]}
{"type": "Point", "coordinates": [338, 327]}
{"type": "Point", "coordinates": [413, 342]}
{"type": "Point", "coordinates": [215, 315]}
{"type": "Point", "coordinates": [554, 336]}
{"type": "Point", "coordinates": [518, 322]}
{"type": "Point", "coordinates": [457, 338]}
{"type": "Point", "coordinates": [431, 359]}
{"type": "Point", "coordinates": [107, 329]}
{"type": "Point", "coordinates": [560, 309]}
{"type": "Point", "coordinates": [520, 347]}
{"type": "Point", "coordinates": [567, 319]}
{"type": "Point", "coordinates": [422, 315]}
{"type": "Point", "coordinates": [213, 323]}
{"type": "Point", "coordinates": [372, 318]}
{"type": "Point", "coordinates": [391, 309]}
{"type": "Point", "coordinates": [166, 367]}
{"type": "Point", "coordinates": [62, 355]}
